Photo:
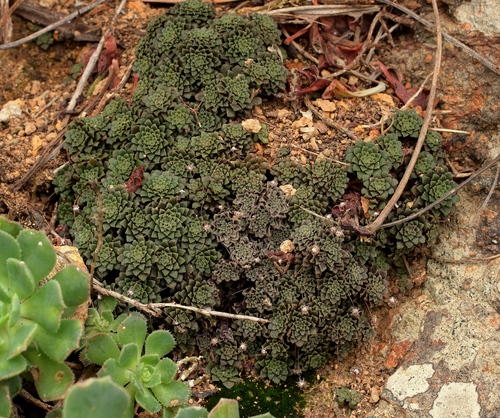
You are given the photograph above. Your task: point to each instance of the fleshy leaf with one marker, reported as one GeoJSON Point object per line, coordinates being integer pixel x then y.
{"type": "Point", "coordinates": [52, 379]}
{"type": "Point", "coordinates": [12, 228]}
{"type": "Point", "coordinates": [112, 369]}
{"type": "Point", "coordinates": [96, 398]}
{"type": "Point", "coordinates": [168, 392]}
{"type": "Point", "coordinates": [5, 402]}
{"type": "Point", "coordinates": [15, 310]}
{"type": "Point", "coordinates": [133, 330]}
{"type": "Point", "coordinates": [75, 285]}
{"type": "Point", "coordinates": [225, 408]}
{"type": "Point", "coordinates": [37, 252]}
{"type": "Point", "coordinates": [21, 280]}
{"type": "Point", "coordinates": [12, 367]}
{"type": "Point", "coordinates": [160, 342]}
{"type": "Point", "coordinates": [167, 369]}
{"type": "Point", "coordinates": [129, 356]}
{"type": "Point", "coordinates": [102, 347]}
{"type": "Point", "coordinates": [107, 303]}
{"type": "Point", "coordinates": [192, 412]}
{"type": "Point", "coordinates": [9, 248]}
{"type": "Point", "coordinates": [48, 299]}
{"type": "Point", "coordinates": [21, 335]}
{"type": "Point", "coordinates": [146, 399]}
{"type": "Point", "coordinates": [58, 345]}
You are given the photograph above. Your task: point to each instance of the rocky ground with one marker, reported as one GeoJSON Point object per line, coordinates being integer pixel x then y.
{"type": "Point", "coordinates": [437, 348]}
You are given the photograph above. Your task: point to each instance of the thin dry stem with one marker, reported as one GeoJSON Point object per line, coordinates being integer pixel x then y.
{"type": "Point", "coordinates": [31, 399]}
{"type": "Point", "coordinates": [496, 160]}
{"type": "Point", "coordinates": [6, 16]}
{"type": "Point", "coordinates": [449, 38]}
{"type": "Point", "coordinates": [306, 54]}
{"type": "Point", "coordinates": [317, 154]}
{"type": "Point", "coordinates": [377, 224]}
{"type": "Point", "coordinates": [485, 203]}
{"type": "Point", "coordinates": [54, 25]}
{"type": "Point", "coordinates": [155, 308]}
{"type": "Point", "coordinates": [417, 93]}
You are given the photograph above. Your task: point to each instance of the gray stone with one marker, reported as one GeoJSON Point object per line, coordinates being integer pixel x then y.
{"type": "Point", "coordinates": [457, 400]}
{"type": "Point", "coordinates": [482, 15]}
{"type": "Point", "coordinates": [406, 383]}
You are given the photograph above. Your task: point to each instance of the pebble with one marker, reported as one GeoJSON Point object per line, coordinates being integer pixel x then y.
{"type": "Point", "coordinates": [10, 111]}
{"type": "Point", "coordinates": [35, 87]}
{"type": "Point", "coordinates": [30, 128]}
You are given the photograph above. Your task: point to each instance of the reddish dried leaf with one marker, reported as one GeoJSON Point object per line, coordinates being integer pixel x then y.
{"type": "Point", "coordinates": [337, 89]}
{"type": "Point", "coordinates": [296, 35]}
{"type": "Point", "coordinates": [135, 180]}
{"type": "Point", "coordinates": [350, 203]}
{"type": "Point", "coordinates": [316, 40]}
{"type": "Point", "coordinates": [319, 84]}
{"type": "Point", "coordinates": [365, 204]}
{"type": "Point", "coordinates": [401, 91]}
{"type": "Point", "coordinates": [108, 54]}
{"type": "Point", "coordinates": [116, 68]}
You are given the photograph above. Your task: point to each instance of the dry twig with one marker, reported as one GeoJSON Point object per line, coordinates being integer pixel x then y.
{"type": "Point", "coordinates": [449, 38]}
{"type": "Point", "coordinates": [485, 203]}
{"type": "Point", "coordinates": [37, 402]}
{"type": "Point", "coordinates": [155, 308]}
{"type": "Point", "coordinates": [417, 93]}
{"type": "Point", "coordinates": [377, 224]}
{"type": "Point", "coordinates": [52, 27]}
{"type": "Point", "coordinates": [6, 16]}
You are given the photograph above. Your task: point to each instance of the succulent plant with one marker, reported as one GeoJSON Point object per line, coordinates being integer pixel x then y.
{"type": "Point", "coordinates": [236, 139]}
{"type": "Point", "coordinates": [207, 145]}
{"type": "Point", "coordinates": [226, 271]}
{"type": "Point", "coordinates": [144, 291]}
{"type": "Point", "coordinates": [248, 330]}
{"type": "Point", "coordinates": [139, 363]}
{"type": "Point", "coordinates": [149, 141]}
{"type": "Point", "coordinates": [379, 188]}
{"type": "Point", "coordinates": [265, 28]}
{"type": "Point", "coordinates": [194, 11]}
{"type": "Point", "coordinates": [171, 263]}
{"type": "Point", "coordinates": [207, 193]}
{"type": "Point", "coordinates": [409, 235]}
{"type": "Point", "coordinates": [226, 227]}
{"type": "Point", "coordinates": [328, 178]}
{"type": "Point", "coordinates": [83, 139]}
{"type": "Point", "coordinates": [244, 252]}
{"type": "Point", "coordinates": [276, 72]}
{"type": "Point", "coordinates": [274, 369]}
{"type": "Point", "coordinates": [38, 331]}
{"type": "Point", "coordinates": [228, 376]}
{"type": "Point", "coordinates": [391, 144]}
{"type": "Point", "coordinates": [367, 160]}
{"type": "Point", "coordinates": [305, 197]}
{"type": "Point", "coordinates": [433, 186]}
{"type": "Point", "coordinates": [166, 221]}
{"type": "Point", "coordinates": [432, 142]}
{"type": "Point", "coordinates": [107, 258]}
{"type": "Point", "coordinates": [159, 185]}
{"type": "Point", "coordinates": [302, 328]}
{"type": "Point", "coordinates": [375, 287]}
{"type": "Point", "coordinates": [288, 172]}
{"type": "Point", "coordinates": [406, 123]}
{"type": "Point", "coordinates": [204, 259]}
{"type": "Point", "coordinates": [236, 94]}
{"type": "Point", "coordinates": [138, 258]}
{"type": "Point", "coordinates": [242, 45]}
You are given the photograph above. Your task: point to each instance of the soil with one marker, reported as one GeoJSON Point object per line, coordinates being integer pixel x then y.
{"type": "Point", "coordinates": [41, 84]}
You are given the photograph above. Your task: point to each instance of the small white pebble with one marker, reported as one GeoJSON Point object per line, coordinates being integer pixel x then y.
{"type": "Point", "coordinates": [40, 243]}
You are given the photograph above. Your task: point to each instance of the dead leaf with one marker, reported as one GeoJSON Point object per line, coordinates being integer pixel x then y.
{"type": "Point", "coordinates": [365, 204]}
{"type": "Point", "coordinates": [135, 180]}
{"type": "Point", "coordinates": [401, 91]}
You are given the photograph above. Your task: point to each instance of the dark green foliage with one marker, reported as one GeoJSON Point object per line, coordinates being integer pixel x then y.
{"type": "Point", "coordinates": [107, 259]}
{"type": "Point", "coordinates": [191, 216]}
{"type": "Point", "coordinates": [144, 291]}
{"type": "Point", "coordinates": [406, 123]}
{"type": "Point", "coordinates": [121, 164]}
{"type": "Point", "coordinates": [138, 258]}
{"type": "Point", "coordinates": [288, 172]}
{"type": "Point", "coordinates": [273, 369]}
{"type": "Point", "coordinates": [348, 397]}
{"type": "Point", "coordinates": [149, 141]}
{"type": "Point", "coordinates": [328, 178]}
{"type": "Point", "coordinates": [367, 160]}
{"type": "Point", "coordinates": [390, 144]}
{"type": "Point", "coordinates": [159, 185]}
{"type": "Point", "coordinates": [171, 262]}
{"type": "Point", "coordinates": [433, 186]}
{"type": "Point", "coordinates": [432, 142]}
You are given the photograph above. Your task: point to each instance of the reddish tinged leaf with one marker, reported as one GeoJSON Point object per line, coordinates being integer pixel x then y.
{"type": "Point", "coordinates": [337, 89]}
{"type": "Point", "coordinates": [296, 35]}
{"type": "Point", "coordinates": [135, 180]}
{"type": "Point", "coordinates": [319, 84]}
{"type": "Point", "coordinates": [134, 83]}
{"type": "Point", "coordinates": [350, 204]}
{"type": "Point", "coordinates": [401, 91]}
{"type": "Point", "coordinates": [108, 54]}
{"type": "Point", "coordinates": [316, 40]}
{"type": "Point", "coordinates": [315, 83]}
{"type": "Point", "coordinates": [115, 81]}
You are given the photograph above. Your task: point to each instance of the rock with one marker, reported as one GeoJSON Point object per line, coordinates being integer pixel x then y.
{"type": "Point", "coordinates": [481, 15]}
{"type": "Point", "coordinates": [251, 125]}
{"type": "Point", "coordinates": [30, 128]}
{"type": "Point", "coordinates": [287, 246]}
{"type": "Point", "coordinates": [288, 190]}
{"type": "Point", "coordinates": [35, 87]}
{"type": "Point", "coordinates": [458, 400]}
{"type": "Point", "coordinates": [11, 110]}
{"type": "Point", "coordinates": [375, 394]}
{"type": "Point", "coordinates": [410, 381]}
{"type": "Point", "coordinates": [325, 105]}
